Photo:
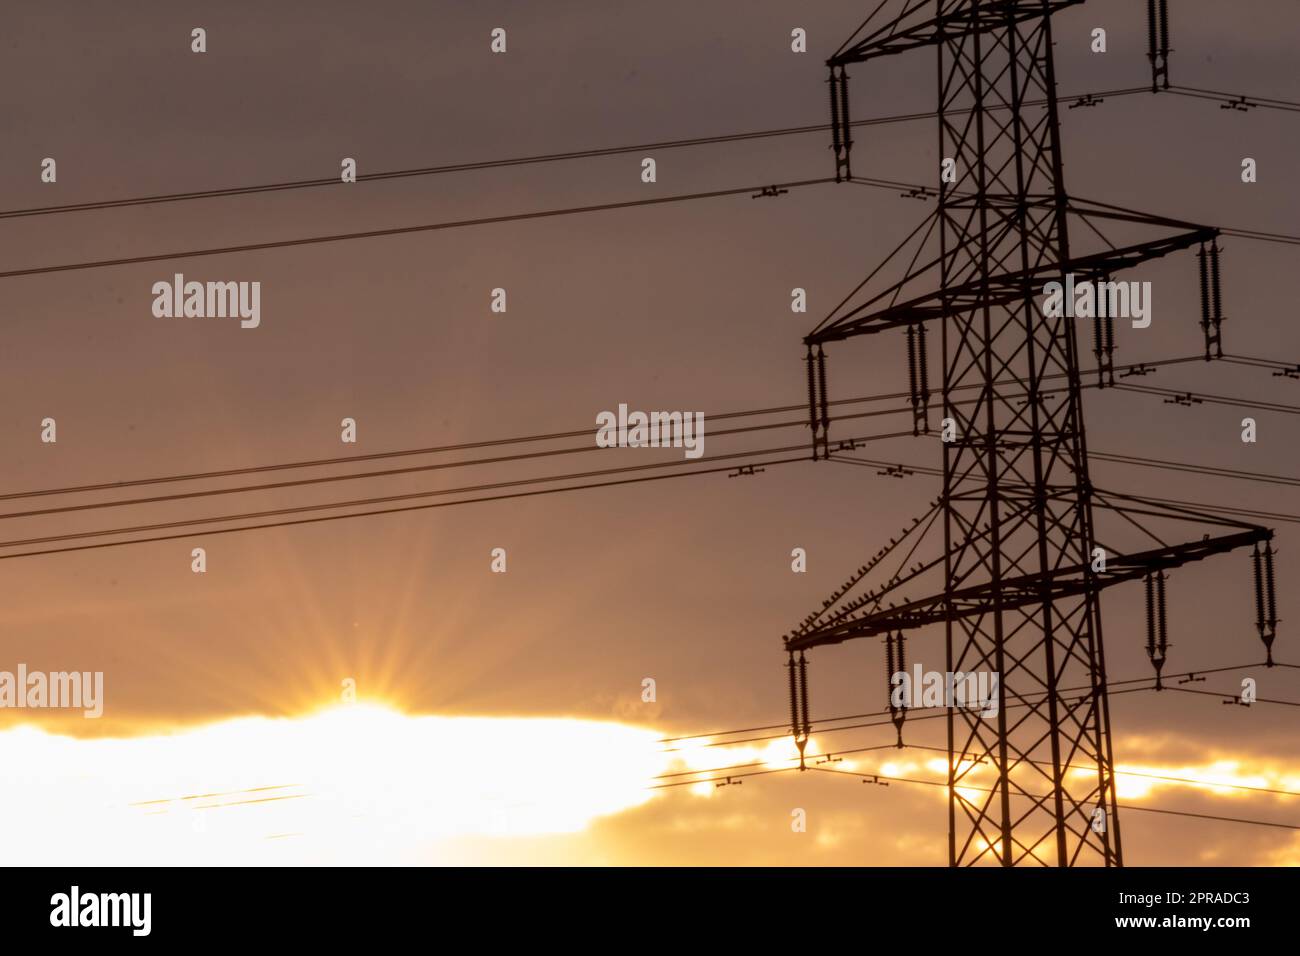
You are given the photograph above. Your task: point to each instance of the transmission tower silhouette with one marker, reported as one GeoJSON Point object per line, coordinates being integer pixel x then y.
{"type": "Point", "coordinates": [1016, 583]}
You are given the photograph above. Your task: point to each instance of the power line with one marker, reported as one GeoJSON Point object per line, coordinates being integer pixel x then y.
{"type": "Point", "coordinates": [919, 189]}
{"type": "Point", "coordinates": [474, 489]}
{"type": "Point", "coordinates": [732, 776]}
{"type": "Point", "coordinates": [470, 489]}
{"type": "Point", "coordinates": [192, 524]}
{"type": "Point", "coordinates": [418, 171]}
{"type": "Point", "coordinates": [1031, 796]}
{"type": "Point", "coordinates": [597, 152]}
{"type": "Point", "coordinates": [417, 469]}
{"type": "Point", "coordinates": [837, 754]}
{"type": "Point", "coordinates": [1135, 460]}
{"type": "Point", "coordinates": [1209, 816]}
{"type": "Point", "coordinates": [468, 446]}
{"type": "Point", "coordinates": [1234, 697]}
{"type": "Point", "coordinates": [759, 763]}
{"type": "Point", "coordinates": [1221, 509]}
{"type": "Point", "coordinates": [881, 713]}
{"type": "Point", "coordinates": [1192, 781]}
{"type": "Point", "coordinates": [912, 716]}
{"type": "Point", "coordinates": [818, 727]}
{"type": "Point", "coordinates": [1262, 236]}
{"type": "Point", "coordinates": [1241, 100]}
{"type": "Point", "coordinates": [936, 783]}
{"type": "Point", "coordinates": [1211, 399]}
{"type": "Point", "coordinates": [1259, 362]}
{"type": "Point", "coordinates": [479, 221]}
{"type": "Point", "coordinates": [488, 220]}
{"type": "Point", "coordinates": [409, 173]}
{"type": "Point", "coordinates": [364, 502]}
{"type": "Point", "coordinates": [1195, 469]}
{"type": "Point", "coordinates": [400, 453]}
{"type": "Point", "coordinates": [405, 230]}
{"type": "Point", "coordinates": [385, 511]}
{"type": "Point", "coordinates": [385, 473]}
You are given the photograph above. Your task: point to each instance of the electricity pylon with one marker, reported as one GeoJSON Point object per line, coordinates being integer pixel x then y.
{"type": "Point", "coordinates": [1022, 561]}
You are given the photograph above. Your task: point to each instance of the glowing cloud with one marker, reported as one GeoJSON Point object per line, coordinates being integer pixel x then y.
{"type": "Point", "coordinates": [351, 784]}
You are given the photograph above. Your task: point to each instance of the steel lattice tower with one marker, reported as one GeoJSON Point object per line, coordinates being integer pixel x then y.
{"type": "Point", "coordinates": [1016, 499]}
{"type": "Point", "coordinates": [1020, 595]}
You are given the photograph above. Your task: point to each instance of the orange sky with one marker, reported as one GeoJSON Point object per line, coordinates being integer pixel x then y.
{"type": "Point", "coordinates": [680, 306]}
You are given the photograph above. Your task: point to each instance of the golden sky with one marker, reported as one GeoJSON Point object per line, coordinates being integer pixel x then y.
{"type": "Point", "coordinates": [499, 716]}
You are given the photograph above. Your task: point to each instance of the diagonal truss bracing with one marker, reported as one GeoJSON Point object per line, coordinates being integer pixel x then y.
{"type": "Point", "coordinates": [1016, 583]}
